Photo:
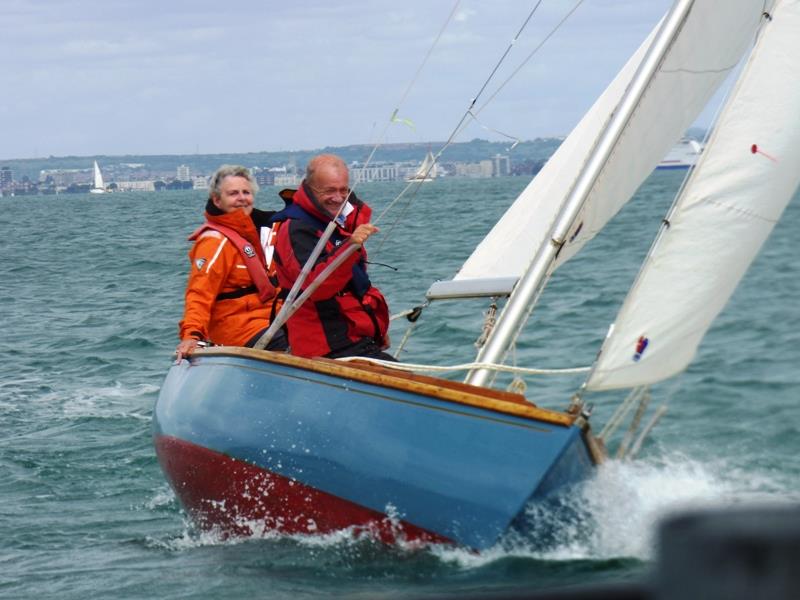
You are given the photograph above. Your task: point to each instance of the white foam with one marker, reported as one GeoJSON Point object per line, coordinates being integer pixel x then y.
{"type": "Point", "coordinates": [164, 497]}
{"type": "Point", "coordinates": [108, 401]}
{"type": "Point", "coordinates": [616, 513]}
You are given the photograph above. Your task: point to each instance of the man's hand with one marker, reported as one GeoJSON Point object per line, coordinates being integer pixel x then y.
{"type": "Point", "coordinates": [362, 232]}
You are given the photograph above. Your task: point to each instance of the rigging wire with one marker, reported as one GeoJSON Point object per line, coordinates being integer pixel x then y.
{"type": "Point", "coordinates": [505, 54]}
{"type": "Point", "coordinates": [470, 113]}
{"type": "Point", "coordinates": [458, 127]}
{"type": "Point", "coordinates": [393, 118]}
{"type": "Point", "coordinates": [530, 55]}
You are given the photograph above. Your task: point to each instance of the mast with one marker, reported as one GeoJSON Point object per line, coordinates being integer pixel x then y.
{"type": "Point", "coordinates": [526, 293]}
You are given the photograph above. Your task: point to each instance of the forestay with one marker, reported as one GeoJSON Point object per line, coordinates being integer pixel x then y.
{"type": "Point", "coordinates": [747, 175]}
{"type": "Point", "coordinates": [679, 89]}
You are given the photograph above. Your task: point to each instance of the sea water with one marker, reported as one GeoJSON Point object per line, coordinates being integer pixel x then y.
{"type": "Point", "coordinates": [92, 290]}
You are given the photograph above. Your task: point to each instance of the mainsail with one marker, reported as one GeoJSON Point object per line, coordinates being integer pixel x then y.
{"type": "Point", "coordinates": [703, 49]}
{"type": "Point", "coordinates": [747, 175]}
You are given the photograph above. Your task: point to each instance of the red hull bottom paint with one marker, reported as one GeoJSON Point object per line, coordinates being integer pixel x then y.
{"type": "Point", "coordinates": [242, 499]}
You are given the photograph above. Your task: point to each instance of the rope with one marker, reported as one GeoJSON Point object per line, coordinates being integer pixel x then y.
{"type": "Point", "coordinates": [465, 367]}
{"type": "Point", "coordinates": [490, 319]}
{"type": "Point", "coordinates": [412, 314]}
{"type": "Point", "coordinates": [404, 341]}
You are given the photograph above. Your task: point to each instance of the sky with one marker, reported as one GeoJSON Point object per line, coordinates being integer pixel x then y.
{"type": "Point", "coordinates": [116, 77]}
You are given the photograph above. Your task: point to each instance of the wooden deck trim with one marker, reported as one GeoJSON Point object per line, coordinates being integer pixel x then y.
{"type": "Point", "coordinates": [441, 389]}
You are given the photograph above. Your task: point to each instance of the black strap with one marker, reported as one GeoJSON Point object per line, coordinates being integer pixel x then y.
{"type": "Point", "coordinates": [281, 295]}
{"type": "Point", "coordinates": [375, 326]}
{"type": "Point", "coordinates": [238, 293]}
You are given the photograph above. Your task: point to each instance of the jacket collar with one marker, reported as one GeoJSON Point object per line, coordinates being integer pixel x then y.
{"type": "Point", "coordinates": [237, 221]}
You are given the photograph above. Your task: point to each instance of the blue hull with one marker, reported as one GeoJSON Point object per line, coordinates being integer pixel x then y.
{"type": "Point", "coordinates": [438, 460]}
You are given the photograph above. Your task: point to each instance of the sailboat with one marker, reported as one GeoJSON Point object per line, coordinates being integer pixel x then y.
{"type": "Point", "coordinates": [252, 440]}
{"type": "Point", "coordinates": [426, 171]}
{"type": "Point", "coordinates": [98, 187]}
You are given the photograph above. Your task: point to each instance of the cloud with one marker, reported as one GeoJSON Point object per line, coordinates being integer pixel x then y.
{"type": "Point", "coordinates": [464, 15]}
{"type": "Point", "coordinates": [293, 75]}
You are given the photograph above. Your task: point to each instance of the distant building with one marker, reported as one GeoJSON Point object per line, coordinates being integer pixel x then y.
{"type": "Point", "coordinates": [482, 169]}
{"type": "Point", "coordinates": [286, 180]}
{"type": "Point", "coordinates": [136, 186]}
{"type": "Point", "coordinates": [502, 166]}
{"type": "Point", "coordinates": [199, 182]}
{"type": "Point", "coordinates": [65, 177]}
{"type": "Point", "coordinates": [184, 173]}
{"type": "Point", "coordinates": [6, 179]}
{"type": "Point", "coordinates": [387, 172]}
{"type": "Point", "coordinates": [265, 178]}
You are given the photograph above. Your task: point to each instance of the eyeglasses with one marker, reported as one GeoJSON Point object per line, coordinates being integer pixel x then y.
{"type": "Point", "coordinates": [331, 192]}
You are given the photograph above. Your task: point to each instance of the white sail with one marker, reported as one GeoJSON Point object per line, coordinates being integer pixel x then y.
{"type": "Point", "coordinates": [427, 170]}
{"type": "Point", "coordinates": [711, 40]}
{"type": "Point", "coordinates": [748, 173]}
{"type": "Point", "coordinates": [97, 181]}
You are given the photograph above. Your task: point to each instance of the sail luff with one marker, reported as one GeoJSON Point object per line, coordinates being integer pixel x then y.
{"type": "Point", "coordinates": [526, 293]}
{"type": "Point", "coordinates": [748, 173]}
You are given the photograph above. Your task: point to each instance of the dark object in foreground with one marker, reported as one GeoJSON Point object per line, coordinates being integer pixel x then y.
{"type": "Point", "coordinates": [731, 554]}
{"type": "Point", "coordinates": [742, 553]}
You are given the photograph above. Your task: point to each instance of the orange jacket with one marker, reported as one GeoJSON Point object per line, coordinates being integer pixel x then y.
{"type": "Point", "coordinates": [221, 302]}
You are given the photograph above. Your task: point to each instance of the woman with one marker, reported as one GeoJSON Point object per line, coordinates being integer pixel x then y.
{"type": "Point", "coordinates": [230, 296]}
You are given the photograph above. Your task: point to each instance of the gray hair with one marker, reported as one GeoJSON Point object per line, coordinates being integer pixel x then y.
{"type": "Point", "coordinates": [229, 171]}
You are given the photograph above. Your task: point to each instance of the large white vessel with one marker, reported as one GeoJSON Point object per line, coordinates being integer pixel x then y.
{"type": "Point", "coordinates": [682, 156]}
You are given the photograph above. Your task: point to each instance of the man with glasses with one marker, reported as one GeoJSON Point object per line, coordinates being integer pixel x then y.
{"type": "Point", "coordinates": [346, 315]}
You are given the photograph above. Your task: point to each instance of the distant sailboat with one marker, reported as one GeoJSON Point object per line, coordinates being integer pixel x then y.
{"type": "Point", "coordinates": [426, 171]}
{"type": "Point", "coordinates": [98, 187]}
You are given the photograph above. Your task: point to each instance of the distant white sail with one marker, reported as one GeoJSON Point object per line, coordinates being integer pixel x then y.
{"type": "Point", "coordinates": [675, 95]}
{"type": "Point", "coordinates": [427, 170]}
{"type": "Point", "coordinates": [748, 173]}
{"type": "Point", "coordinates": [97, 181]}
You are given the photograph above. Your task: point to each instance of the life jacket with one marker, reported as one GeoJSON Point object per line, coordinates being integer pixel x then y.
{"type": "Point", "coordinates": [253, 257]}
{"type": "Point", "coordinates": [357, 311]}
{"type": "Point", "coordinates": [360, 281]}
